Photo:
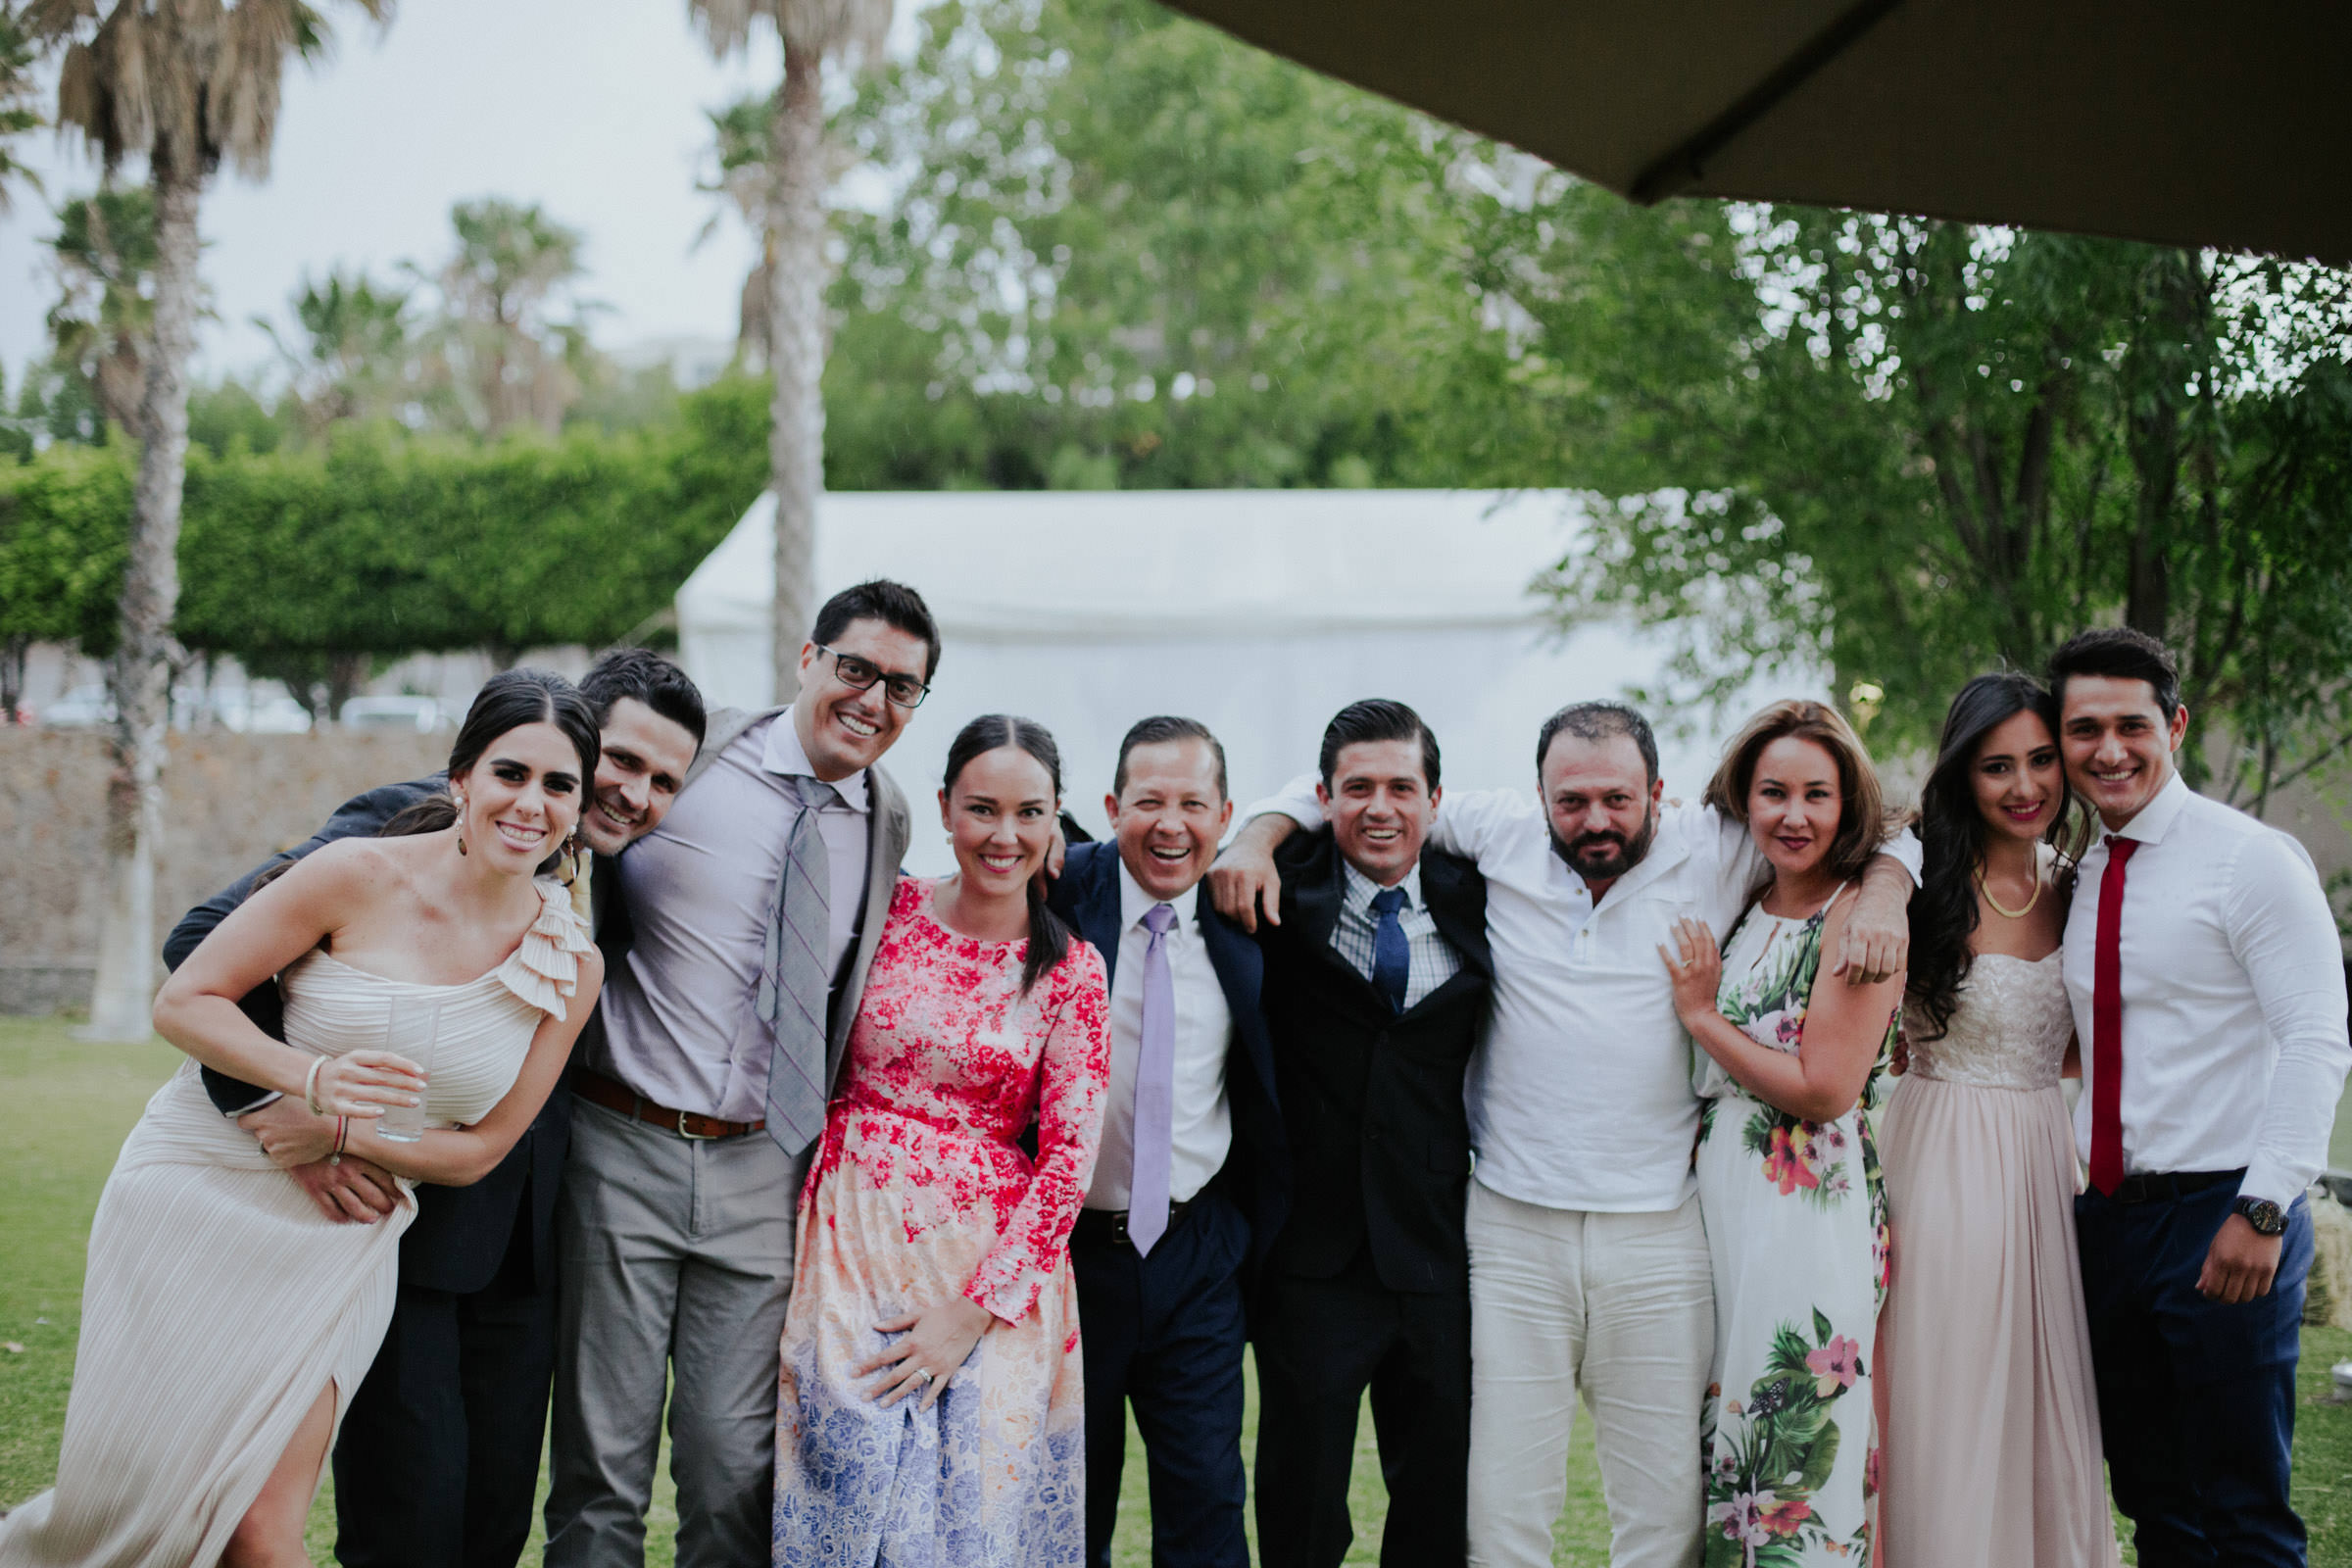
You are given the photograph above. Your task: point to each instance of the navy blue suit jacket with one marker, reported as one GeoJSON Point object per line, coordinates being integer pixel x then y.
{"type": "Point", "coordinates": [1258, 1172]}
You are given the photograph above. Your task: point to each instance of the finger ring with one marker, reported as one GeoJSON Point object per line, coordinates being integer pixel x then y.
{"type": "Point", "coordinates": [923, 1374]}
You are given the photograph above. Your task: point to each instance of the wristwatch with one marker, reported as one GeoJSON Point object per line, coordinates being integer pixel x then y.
{"type": "Point", "coordinates": [2267, 1217]}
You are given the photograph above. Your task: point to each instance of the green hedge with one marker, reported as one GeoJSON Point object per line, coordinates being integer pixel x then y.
{"type": "Point", "coordinates": [386, 544]}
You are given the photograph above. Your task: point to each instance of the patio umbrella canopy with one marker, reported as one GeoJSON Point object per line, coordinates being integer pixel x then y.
{"type": "Point", "coordinates": [2152, 120]}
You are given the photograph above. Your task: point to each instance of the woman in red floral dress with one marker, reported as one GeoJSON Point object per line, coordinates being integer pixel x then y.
{"type": "Point", "coordinates": [931, 1410]}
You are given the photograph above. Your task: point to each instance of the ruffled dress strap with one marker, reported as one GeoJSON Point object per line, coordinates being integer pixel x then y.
{"type": "Point", "coordinates": [545, 970]}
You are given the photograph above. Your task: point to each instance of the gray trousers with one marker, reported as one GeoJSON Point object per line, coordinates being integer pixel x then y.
{"type": "Point", "coordinates": [675, 1265]}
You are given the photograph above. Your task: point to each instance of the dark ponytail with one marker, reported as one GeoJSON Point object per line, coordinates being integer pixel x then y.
{"type": "Point", "coordinates": [1049, 937]}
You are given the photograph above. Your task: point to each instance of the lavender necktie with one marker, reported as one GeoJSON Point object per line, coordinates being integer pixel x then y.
{"type": "Point", "coordinates": [1155, 1090]}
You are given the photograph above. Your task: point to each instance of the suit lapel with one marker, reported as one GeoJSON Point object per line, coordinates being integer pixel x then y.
{"type": "Point", "coordinates": [1442, 891]}
{"type": "Point", "coordinates": [884, 845]}
{"type": "Point", "coordinates": [1098, 904]}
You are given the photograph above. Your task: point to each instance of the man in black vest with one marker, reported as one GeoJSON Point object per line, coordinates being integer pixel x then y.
{"type": "Point", "coordinates": [1376, 987]}
{"type": "Point", "coordinates": [1192, 1179]}
{"type": "Point", "coordinates": [437, 1462]}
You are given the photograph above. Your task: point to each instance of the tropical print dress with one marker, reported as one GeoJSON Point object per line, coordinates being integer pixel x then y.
{"type": "Point", "coordinates": [920, 1192]}
{"type": "Point", "coordinates": [1796, 1224]}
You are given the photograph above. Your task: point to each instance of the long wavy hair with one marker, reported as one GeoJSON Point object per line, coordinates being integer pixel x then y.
{"type": "Point", "coordinates": [1952, 832]}
{"type": "Point", "coordinates": [1049, 937]}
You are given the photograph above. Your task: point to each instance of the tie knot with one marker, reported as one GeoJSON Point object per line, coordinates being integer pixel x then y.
{"type": "Point", "coordinates": [1159, 920]}
{"type": "Point", "coordinates": [2120, 848]}
{"type": "Point", "coordinates": [814, 793]}
{"type": "Point", "coordinates": [1387, 901]}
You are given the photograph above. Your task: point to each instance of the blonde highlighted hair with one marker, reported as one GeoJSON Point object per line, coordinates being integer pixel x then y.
{"type": "Point", "coordinates": [1862, 823]}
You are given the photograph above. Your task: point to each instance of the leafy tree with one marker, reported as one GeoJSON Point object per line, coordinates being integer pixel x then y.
{"type": "Point", "coordinates": [19, 108]}
{"type": "Point", "coordinates": [1918, 449]}
{"type": "Point", "coordinates": [794, 219]}
{"type": "Point", "coordinates": [183, 86]}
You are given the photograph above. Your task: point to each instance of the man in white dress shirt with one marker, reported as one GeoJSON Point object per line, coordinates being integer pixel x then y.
{"type": "Point", "coordinates": [2208, 988]}
{"type": "Point", "coordinates": [1589, 1266]}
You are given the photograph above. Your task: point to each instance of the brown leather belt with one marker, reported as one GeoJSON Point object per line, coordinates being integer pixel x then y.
{"type": "Point", "coordinates": [613, 1095]}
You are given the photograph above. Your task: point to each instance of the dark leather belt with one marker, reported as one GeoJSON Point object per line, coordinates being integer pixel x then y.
{"type": "Point", "coordinates": [613, 1095]}
{"type": "Point", "coordinates": [2162, 1186]}
{"type": "Point", "coordinates": [1109, 1226]}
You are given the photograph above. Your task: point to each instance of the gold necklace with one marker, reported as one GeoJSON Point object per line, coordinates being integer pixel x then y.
{"type": "Point", "coordinates": [2014, 914]}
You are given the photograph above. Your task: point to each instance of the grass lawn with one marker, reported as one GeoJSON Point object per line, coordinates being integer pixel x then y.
{"type": "Point", "coordinates": [65, 1108]}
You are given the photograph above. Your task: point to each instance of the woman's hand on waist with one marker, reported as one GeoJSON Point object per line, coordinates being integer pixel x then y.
{"type": "Point", "coordinates": [936, 1341]}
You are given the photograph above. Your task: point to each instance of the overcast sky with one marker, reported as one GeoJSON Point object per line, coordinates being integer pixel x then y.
{"type": "Point", "coordinates": [593, 108]}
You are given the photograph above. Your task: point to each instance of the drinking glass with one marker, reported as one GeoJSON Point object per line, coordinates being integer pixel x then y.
{"type": "Point", "coordinates": [411, 1030]}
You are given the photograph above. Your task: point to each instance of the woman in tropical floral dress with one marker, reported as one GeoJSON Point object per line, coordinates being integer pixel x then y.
{"type": "Point", "coordinates": [1788, 1179]}
{"type": "Point", "coordinates": [932, 1405]}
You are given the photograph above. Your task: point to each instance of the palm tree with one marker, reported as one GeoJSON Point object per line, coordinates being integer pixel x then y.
{"type": "Point", "coordinates": [183, 83]}
{"type": "Point", "coordinates": [502, 353]}
{"type": "Point", "coordinates": [18, 114]}
{"type": "Point", "coordinates": [103, 325]}
{"type": "Point", "coordinates": [351, 358]}
{"type": "Point", "coordinates": [845, 31]}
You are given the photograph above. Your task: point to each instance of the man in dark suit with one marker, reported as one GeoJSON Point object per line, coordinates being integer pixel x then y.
{"type": "Point", "coordinates": [1377, 984]}
{"type": "Point", "coordinates": [1192, 1179]}
{"type": "Point", "coordinates": [438, 1460]}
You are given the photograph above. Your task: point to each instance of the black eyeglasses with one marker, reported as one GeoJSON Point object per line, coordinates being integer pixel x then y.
{"type": "Point", "coordinates": [858, 674]}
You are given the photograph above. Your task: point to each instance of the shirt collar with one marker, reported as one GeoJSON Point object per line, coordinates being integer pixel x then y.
{"type": "Point", "coordinates": [1360, 886]}
{"type": "Point", "coordinates": [1135, 902]}
{"type": "Point", "coordinates": [781, 753]}
{"type": "Point", "coordinates": [2157, 817]}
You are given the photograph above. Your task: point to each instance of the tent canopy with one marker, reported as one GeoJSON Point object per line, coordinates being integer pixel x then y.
{"type": "Point", "coordinates": [2168, 120]}
{"type": "Point", "coordinates": [1260, 613]}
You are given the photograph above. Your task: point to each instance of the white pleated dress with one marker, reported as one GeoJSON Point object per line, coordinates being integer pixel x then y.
{"type": "Point", "coordinates": [219, 1301]}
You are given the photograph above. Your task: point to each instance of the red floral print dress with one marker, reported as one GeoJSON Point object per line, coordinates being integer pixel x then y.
{"type": "Point", "coordinates": [920, 1192]}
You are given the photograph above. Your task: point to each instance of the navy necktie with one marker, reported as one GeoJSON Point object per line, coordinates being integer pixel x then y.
{"type": "Point", "coordinates": [1391, 954]}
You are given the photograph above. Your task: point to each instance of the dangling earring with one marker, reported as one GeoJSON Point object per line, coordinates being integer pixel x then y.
{"type": "Point", "coordinates": [461, 802]}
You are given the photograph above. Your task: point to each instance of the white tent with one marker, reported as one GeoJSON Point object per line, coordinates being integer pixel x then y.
{"type": "Point", "coordinates": [1260, 613]}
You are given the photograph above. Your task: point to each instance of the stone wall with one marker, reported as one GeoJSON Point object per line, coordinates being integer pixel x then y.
{"type": "Point", "coordinates": [231, 802]}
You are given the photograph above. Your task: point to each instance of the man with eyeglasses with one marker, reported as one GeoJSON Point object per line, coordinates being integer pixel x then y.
{"type": "Point", "coordinates": [734, 960]}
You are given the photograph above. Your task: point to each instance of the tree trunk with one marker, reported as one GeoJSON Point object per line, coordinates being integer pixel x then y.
{"type": "Point", "coordinates": [796, 352]}
{"type": "Point", "coordinates": [11, 676]}
{"type": "Point", "coordinates": [140, 673]}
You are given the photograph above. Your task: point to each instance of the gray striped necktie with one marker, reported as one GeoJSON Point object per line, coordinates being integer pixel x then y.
{"type": "Point", "coordinates": [795, 981]}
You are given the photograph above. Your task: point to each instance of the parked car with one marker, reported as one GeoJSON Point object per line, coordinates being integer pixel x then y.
{"type": "Point", "coordinates": [264, 707]}
{"type": "Point", "coordinates": [419, 713]}
{"type": "Point", "coordinates": [82, 708]}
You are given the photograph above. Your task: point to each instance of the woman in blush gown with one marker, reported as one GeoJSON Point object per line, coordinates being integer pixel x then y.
{"type": "Point", "coordinates": [1992, 1425]}
{"type": "Point", "coordinates": [931, 1408]}
{"type": "Point", "coordinates": [1788, 1179]}
{"type": "Point", "coordinates": [226, 1321]}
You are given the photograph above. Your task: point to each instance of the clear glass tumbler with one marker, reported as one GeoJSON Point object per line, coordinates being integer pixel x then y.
{"type": "Point", "coordinates": [411, 1030]}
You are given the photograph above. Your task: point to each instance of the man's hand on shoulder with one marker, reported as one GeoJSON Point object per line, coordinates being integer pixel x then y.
{"type": "Point", "coordinates": [1877, 942]}
{"type": "Point", "coordinates": [1244, 881]}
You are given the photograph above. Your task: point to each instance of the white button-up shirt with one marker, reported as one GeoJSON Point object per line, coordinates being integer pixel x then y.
{"type": "Point", "coordinates": [1580, 1096]}
{"type": "Point", "coordinates": [1201, 1122]}
{"type": "Point", "coordinates": [2234, 1043]}
{"type": "Point", "coordinates": [681, 1026]}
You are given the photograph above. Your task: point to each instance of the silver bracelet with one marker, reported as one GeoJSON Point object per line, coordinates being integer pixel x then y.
{"type": "Point", "coordinates": [310, 1087]}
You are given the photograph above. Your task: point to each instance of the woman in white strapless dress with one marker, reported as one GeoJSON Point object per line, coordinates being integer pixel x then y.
{"type": "Point", "coordinates": [1990, 1439]}
{"type": "Point", "coordinates": [224, 1320]}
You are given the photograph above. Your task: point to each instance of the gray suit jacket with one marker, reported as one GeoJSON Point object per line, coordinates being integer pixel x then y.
{"type": "Point", "coordinates": [887, 833]}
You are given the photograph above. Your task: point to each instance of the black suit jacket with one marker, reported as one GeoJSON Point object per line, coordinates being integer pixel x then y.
{"type": "Point", "coordinates": [1256, 1174]}
{"type": "Point", "coordinates": [462, 1234]}
{"type": "Point", "coordinates": [1372, 1100]}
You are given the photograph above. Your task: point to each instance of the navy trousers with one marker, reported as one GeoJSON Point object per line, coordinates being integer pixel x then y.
{"type": "Point", "coordinates": [1164, 1334]}
{"type": "Point", "coordinates": [438, 1461]}
{"type": "Point", "coordinates": [2196, 1399]}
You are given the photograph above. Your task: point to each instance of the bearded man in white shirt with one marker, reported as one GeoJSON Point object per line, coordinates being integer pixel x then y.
{"type": "Point", "coordinates": [2208, 988]}
{"type": "Point", "coordinates": [1589, 1266]}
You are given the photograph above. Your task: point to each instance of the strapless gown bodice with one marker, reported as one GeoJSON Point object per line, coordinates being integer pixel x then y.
{"type": "Point", "coordinates": [2009, 1031]}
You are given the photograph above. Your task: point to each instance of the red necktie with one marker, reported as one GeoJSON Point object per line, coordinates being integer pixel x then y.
{"type": "Point", "coordinates": [2107, 1024]}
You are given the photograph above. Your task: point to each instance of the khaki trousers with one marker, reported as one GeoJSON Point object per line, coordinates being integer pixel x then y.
{"type": "Point", "coordinates": [1620, 1308]}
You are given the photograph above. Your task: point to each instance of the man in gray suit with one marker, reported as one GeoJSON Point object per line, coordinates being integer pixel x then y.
{"type": "Point", "coordinates": [734, 961]}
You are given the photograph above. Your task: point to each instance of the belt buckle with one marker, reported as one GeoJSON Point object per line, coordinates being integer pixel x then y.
{"type": "Point", "coordinates": [687, 1133]}
{"type": "Point", "coordinates": [1118, 1228]}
